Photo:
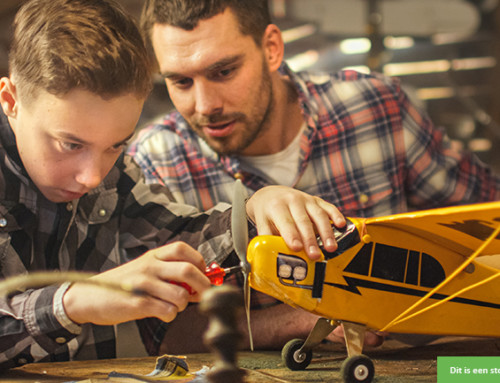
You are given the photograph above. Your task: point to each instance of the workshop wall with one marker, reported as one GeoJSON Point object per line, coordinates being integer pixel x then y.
{"type": "Point", "coordinates": [445, 52]}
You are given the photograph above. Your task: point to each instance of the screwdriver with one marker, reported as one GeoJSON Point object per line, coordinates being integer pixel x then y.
{"type": "Point", "coordinates": [215, 273]}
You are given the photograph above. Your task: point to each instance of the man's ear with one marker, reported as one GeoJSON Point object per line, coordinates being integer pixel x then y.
{"type": "Point", "coordinates": [273, 46]}
{"type": "Point", "coordinates": [8, 97]}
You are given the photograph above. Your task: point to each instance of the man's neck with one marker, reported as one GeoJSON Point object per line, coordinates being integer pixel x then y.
{"type": "Point", "coordinates": [285, 121]}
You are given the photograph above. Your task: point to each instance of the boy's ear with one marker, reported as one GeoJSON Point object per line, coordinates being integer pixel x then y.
{"type": "Point", "coordinates": [8, 97]}
{"type": "Point", "coordinates": [273, 46]}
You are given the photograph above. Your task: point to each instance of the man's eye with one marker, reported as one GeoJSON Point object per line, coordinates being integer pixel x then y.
{"type": "Point", "coordinates": [224, 73]}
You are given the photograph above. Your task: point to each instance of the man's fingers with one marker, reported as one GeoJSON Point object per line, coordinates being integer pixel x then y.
{"type": "Point", "coordinates": [283, 225]}
{"type": "Point", "coordinates": [305, 229]}
{"type": "Point", "coordinates": [297, 217]}
{"type": "Point", "coordinates": [325, 216]}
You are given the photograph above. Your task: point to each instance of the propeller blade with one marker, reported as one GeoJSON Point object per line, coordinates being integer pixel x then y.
{"type": "Point", "coordinates": [247, 308]}
{"type": "Point", "coordinates": [239, 224]}
{"type": "Point", "coordinates": [239, 227]}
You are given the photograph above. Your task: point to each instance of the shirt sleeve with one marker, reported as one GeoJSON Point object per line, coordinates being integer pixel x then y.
{"type": "Point", "coordinates": [31, 329]}
{"type": "Point", "coordinates": [150, 219]}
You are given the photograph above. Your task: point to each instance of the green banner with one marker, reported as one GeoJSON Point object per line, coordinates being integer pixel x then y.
{"type": "Point", "coordinates": [474, 369]}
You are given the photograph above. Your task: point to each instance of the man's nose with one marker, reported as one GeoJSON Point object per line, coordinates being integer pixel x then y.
{"type": "Point", "coordinates": [207, 99]}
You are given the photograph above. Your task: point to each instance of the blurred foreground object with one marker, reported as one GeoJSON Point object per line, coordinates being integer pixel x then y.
{"type": "Point", "coordinates": [223, 305]}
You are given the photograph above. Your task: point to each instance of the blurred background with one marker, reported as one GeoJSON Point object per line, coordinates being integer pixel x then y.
{"type": "Point", "coordinates": [445, 52]}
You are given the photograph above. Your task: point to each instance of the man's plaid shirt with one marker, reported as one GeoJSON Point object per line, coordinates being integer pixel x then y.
{"type": "Point", "coordinates": [116, 222]}
{"type": "Point", "coordinates": [366, 149]}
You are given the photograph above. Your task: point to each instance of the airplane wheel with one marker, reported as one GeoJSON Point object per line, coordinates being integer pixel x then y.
{"type": "Point", "coordinates": [358, 368]}
{"type": "Point", "coordinates": [292, 358]}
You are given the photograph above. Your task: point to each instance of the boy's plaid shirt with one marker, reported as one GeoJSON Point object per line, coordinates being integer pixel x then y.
{"type": "Point", "coordinates": [116, 222]}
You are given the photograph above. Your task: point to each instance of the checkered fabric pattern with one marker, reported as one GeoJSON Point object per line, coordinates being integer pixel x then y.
{"type": "Point", "coordinates": [118, 221]}
{"type": "Point", "coordinates": [367, 149]}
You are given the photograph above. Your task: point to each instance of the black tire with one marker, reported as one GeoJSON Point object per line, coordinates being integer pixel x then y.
{"type": "Point", "coordinates": [292, 359]}
{"type": "Point", "coordinates": [357, 369]}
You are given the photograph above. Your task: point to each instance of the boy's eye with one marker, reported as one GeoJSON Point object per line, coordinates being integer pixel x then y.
{"type": "Point", "coordinates": [182, 82]}
{"type": "Point", "coordinates": [119, 147]}
{"type": "Point", "coordinates": [70, 146]}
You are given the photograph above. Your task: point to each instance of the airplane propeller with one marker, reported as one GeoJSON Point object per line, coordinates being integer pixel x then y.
{"type": "Point", "coordinates": [239, 227]}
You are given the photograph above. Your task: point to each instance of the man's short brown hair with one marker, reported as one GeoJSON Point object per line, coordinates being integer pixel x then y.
{"type": "Point", "coordinates": [94, 45]}
{"type": "Point", "coordinates": [253, 15]}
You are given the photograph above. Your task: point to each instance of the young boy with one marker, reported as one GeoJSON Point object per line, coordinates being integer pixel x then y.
{"type": "Point", "coordinates": [70, 200]}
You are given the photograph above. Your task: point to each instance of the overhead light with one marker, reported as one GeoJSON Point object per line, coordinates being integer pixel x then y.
{"type": "Point", "coordinates": [480, 145]}
{"type": "Point", "coordinates": [401, 42]}
{"type": "Point", "coordinates": [417, 67]}
{"type": "Point", "coordinates": [435, 93]}
{"type": "Point", "coordinates": [437, 66]}
{"type": "Point", "coordinates": [355, 46]}
{"type": "Point", "coordinates": [449, 38]}
{"type": "Point", "coordinates": [303, 61]}
{"type": "Point", "coordinates": [297, 33]}
{"type": "Point", "coordinates": [473, 63]}
{"type": "Point", "coordinates": [363, 44]}
{"type": "Point", "coordinates": [445, 92]}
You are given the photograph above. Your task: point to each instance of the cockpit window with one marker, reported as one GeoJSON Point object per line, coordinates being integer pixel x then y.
{"type": "Point", "coordinates": [432, 272]}
{"type": "Point", "coordinates": [360, 264]}
{"type": "Point", "coordinates": [389, 262]}
{"type": "Point", "coordinates": [397, 264]}
{"type": "Point", "coordinates": [413, 267]}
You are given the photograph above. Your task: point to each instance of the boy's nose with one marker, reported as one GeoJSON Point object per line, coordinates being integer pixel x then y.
{"type": "Point", "coordinates": [90, 174]}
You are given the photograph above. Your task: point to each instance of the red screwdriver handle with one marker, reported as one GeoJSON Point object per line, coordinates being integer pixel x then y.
{"type": "Point", "coordinates": [213, 271]}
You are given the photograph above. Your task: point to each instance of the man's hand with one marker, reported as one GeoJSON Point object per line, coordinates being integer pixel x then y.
{"type": "Point", "coordinates": [297, 216]}
{"type": "Point", "coordinates": [151, 274]}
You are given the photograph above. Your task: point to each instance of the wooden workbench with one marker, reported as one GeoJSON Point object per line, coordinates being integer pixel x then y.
{"type": "Point", "coordinates": [394, 362]}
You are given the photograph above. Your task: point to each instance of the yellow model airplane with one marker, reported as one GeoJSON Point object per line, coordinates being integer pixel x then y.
{"type": "Point", "coordinates": [406, 273]}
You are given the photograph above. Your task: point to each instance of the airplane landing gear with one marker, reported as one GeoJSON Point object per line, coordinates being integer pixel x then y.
{"type": "Point", "coordinates": [297, 353]}
{"type": "Point", "coordinates": [294, 357]}
{"type": "Point", "coordinates": [357, 369]}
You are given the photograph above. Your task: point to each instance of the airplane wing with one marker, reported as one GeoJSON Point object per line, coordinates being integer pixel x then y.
{"type": "Point", "coordinates": [460, 228]}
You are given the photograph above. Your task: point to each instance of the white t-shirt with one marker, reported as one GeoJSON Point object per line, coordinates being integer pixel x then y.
{"type": "Point", "coordinates": [278, 168]}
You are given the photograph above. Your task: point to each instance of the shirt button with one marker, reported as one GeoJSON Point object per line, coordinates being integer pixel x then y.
{"type": "Point", "coordinates": [102, 212]}
{"type": "Point", "coordinates": [69, 206]}
{"type": "Point", "coordinates": [60, 340]}
{"type": "Point", "coordinates": [3, 222]}
{"type": "Point", "coordinates": [363, 198]}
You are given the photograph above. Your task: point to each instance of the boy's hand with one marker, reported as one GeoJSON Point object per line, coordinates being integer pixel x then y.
{"type": "Point", "coordinates": [297, 216]}
{"type": "Point", "coordinates": [150, 273]}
